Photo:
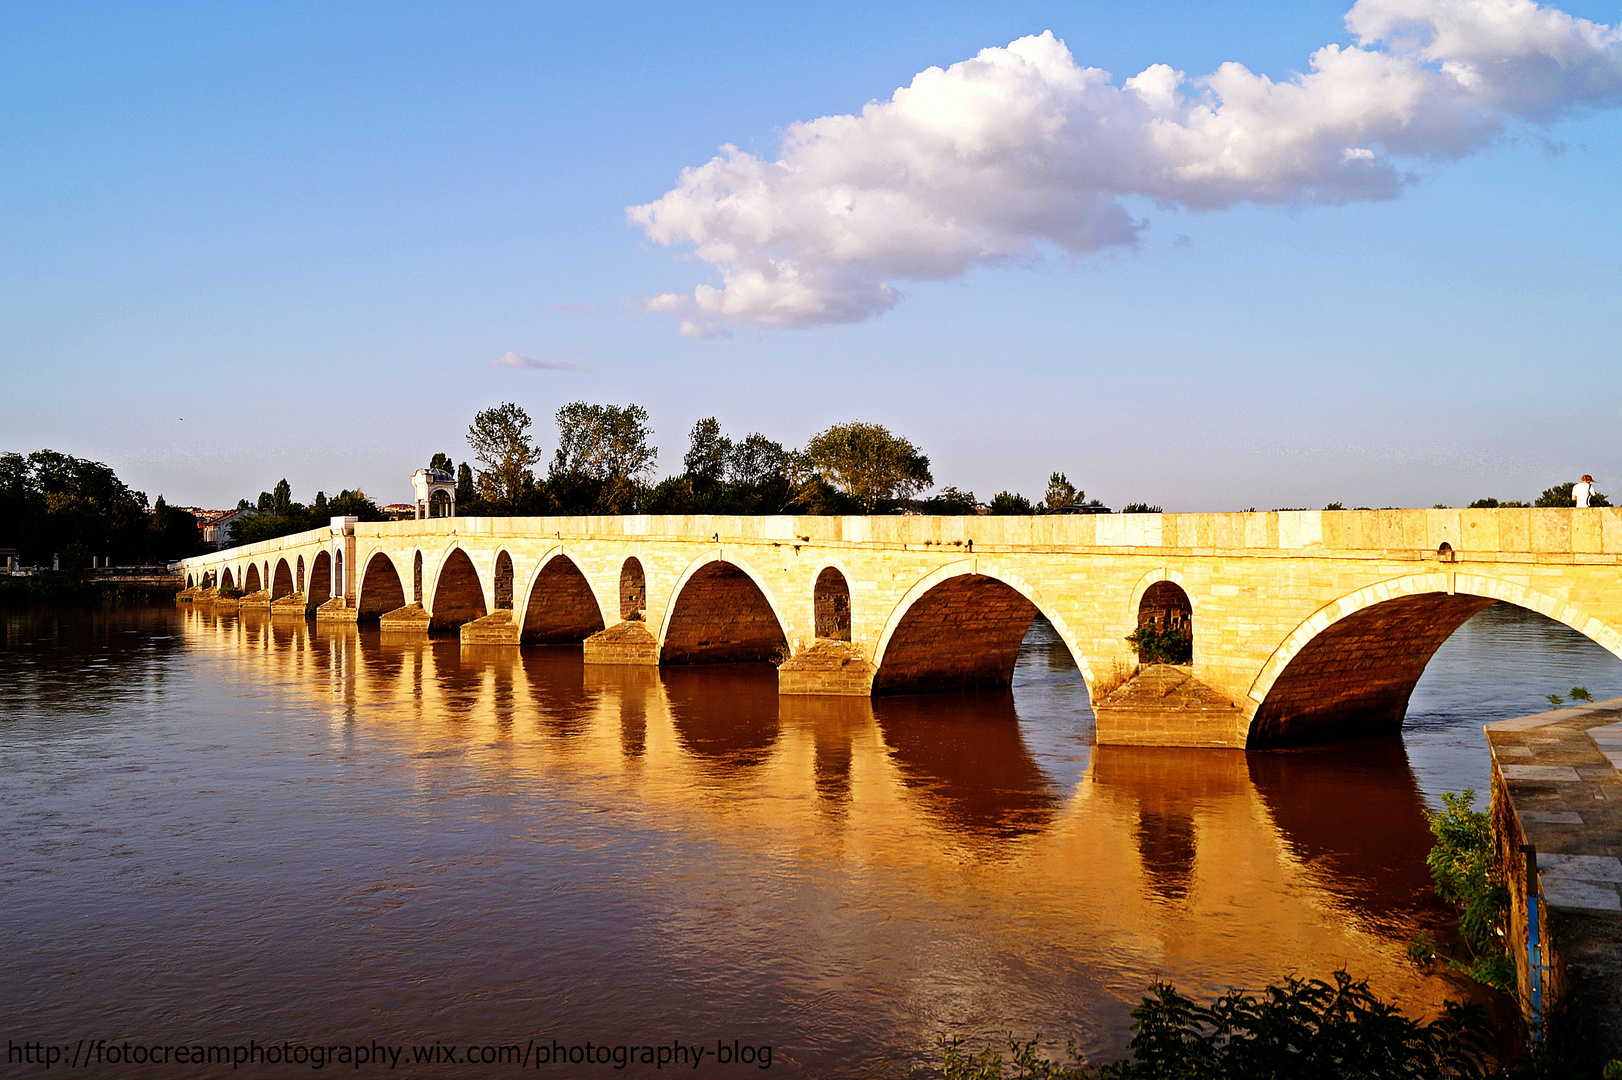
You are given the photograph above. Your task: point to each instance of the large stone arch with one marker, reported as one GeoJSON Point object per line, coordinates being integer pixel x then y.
{"type": "Point", "coordinates": [251, 582]}
{"type": "Point", "coordinates": [721, 612]}
{"type": "Point", "coordinates": [320, 580]}
{"type": "Point", "coordinates": [226, 580]}
{"type": "Point", "coordinates": [559, 604]}
{"type": "Point", "coordinates": [380, 587]}
{"type": "Point", "coordinates": [1349, 668]}
{"type": "Point", "coordinates": [458, 592]}
{"type": "Point", "coordinates": [281, 583]}
{"type": "Point", "coordinates": [982, 644]}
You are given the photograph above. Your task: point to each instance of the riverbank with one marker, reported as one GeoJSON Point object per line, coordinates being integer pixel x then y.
{"type": "Point", "coordinates": [57, 590]}
{"type": "Point", "coordinates": [1557, 787]}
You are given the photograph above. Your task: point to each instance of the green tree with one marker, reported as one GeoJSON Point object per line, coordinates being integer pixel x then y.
{"type": "Point", "coordinates": [1061, 492]}
{"type": "Point", "coordinates": [465, 493]}
{"type": "Point", "coordinates": [603, 457]}
{"type": "Point", "coordinates": [501, 442]}
{"type": "Point", "coordinates": [173, 533]}
{"type": "Point", "coordinates": [603, 442]}
{"type": "Point", "coordinates": [1140, 508]}
{"type": "Point", "coordinates": [281, 499]}
{"type": "Point", "coordinates": [355, 504]}
{"type": "Point", "coordinates": [706, 459]}
{"type": "Point", "coordinates": [58, 504]}
{"type": "Point", "coordinates": [868, 463]}
{"type": "Point", "coordinates": [951, 501]}
{"type": "Point", "coordinates": [1010, 502]}
{"type": "Point", "coordinates": [442, 463]}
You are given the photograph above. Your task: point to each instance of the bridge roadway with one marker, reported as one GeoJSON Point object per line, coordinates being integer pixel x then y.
{"type": "Point", "coordinates": [1306, 625]}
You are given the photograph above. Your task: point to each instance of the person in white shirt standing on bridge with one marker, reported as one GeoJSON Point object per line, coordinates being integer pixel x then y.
{"type": "Point", "coordinates": [1582, 492]}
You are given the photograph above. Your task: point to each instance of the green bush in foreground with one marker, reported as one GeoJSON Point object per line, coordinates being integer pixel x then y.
{"type": "Point", "coordinates": [1304, 1028]}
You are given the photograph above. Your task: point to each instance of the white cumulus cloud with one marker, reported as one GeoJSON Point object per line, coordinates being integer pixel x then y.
{"type": "Point", "coordinates": [993, 158]}
{"type": "Point", "coordinates": [518, 360]}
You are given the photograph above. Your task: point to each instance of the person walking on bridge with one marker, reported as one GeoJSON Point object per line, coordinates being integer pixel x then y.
{"type": "Point", "coordinates": [1582, 492]}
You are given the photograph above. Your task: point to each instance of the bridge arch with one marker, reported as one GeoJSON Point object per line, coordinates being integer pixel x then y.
{"type": "Point", "coordinates": [560, 606]}
{"type": "Point", "coordinates": [458, 592]}
{"type": "Point", "coordinates": [251, 582]}
{"type": "Point", "coordinates": [188, 581]}
{"type": "Point", "coordinates": [299, 579]}
{"type": "Point", "coordinates": [721, 612]}
{"type": "Point", "coordinates": [281, 584]}
{"type": "Point", "coordinates": [501, 581]}
{"type": "Point", "coordinates": [633, 589]}
{"type": "Point", "coordinates": [226, 580]}
{"type": "Point", "coordinates": [1349, 668]}
{"type": "Point", "coordinates": [1003, 604]}
{"type": "Point", "coordinates": [830, 604]}
{"type": "Point", "coordinates": [380, 589]}
{"type": "Point", "coordinates": [320, 578]}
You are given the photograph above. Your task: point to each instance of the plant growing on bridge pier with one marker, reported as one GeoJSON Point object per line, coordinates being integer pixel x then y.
{"type": "Point", "coordinates": [1155, 646]}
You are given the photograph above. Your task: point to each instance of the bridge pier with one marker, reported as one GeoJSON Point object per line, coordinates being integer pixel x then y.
{"type": "Point", "coordinates": [496, 628]}
{"type": "Point", "coordinates": [410, 619]}
{"type": "Point", "coordinates": [1164, 705]}
{"type": "Point", "coordinates": [829, 668]}
{"type": "Point", "coordinates": [337, 610]}
{"type": "Point", "coordinates": [628, 642]}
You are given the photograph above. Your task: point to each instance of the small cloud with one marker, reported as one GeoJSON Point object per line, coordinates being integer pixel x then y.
{"type": "Point", "coordinates": [705, 330]}
{"type": "Point", "coordinates": [516, 360]}
{"type": "Point", "coordinates": [574, 350]}
{"type": "Point", "coordinates": [577, 309]}
{"type": "Point", "coordinates": [1181, 240]}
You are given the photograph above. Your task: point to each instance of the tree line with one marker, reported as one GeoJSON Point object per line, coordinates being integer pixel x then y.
{"type": "Point", "coordinates": [68, 510]}
{"type": "Point", "coordinates": [278, 515]}
{"type": "Point", "coordinates": [604, 464]}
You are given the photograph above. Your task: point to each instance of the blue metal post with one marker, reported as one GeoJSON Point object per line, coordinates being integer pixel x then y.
{"type": "Point", "coordinates": [1534, 947]}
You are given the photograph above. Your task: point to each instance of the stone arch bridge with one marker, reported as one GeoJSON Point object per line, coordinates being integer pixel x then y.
{"type": "Point", "coordinates": [1306, 625]}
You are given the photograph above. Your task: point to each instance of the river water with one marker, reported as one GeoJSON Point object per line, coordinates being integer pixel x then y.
{"type": "Point", "coordinates": [224, 830]}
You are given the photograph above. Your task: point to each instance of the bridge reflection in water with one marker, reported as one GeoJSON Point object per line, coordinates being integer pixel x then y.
{"type": "Point", "coordinates": [859, 873]}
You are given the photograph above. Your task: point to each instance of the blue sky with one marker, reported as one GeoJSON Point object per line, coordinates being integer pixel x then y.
{"type": "Point", "coordinates": [308, 229]}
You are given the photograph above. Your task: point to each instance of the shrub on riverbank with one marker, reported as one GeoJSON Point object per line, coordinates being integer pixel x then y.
{"type": "Point", "coordinates": [1464, 865]}
{"type": "Point", "coordinates": [1303, 1028]}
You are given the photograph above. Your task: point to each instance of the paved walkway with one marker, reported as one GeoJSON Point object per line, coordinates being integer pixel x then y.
{"type": "Point", "coordinates": [1560, 771]}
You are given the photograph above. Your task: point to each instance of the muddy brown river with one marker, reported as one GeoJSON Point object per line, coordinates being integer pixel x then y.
{"type": "Point", "coordinates": [270, 838]}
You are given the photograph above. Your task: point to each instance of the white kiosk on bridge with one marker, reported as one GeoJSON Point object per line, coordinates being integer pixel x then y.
{"type": "Point", "coordinates": [436, 493]}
